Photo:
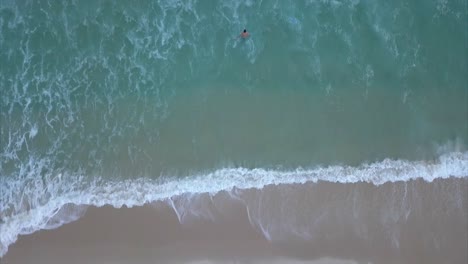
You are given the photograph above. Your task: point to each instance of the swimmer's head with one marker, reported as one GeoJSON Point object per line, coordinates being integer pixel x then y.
{"type": "Point", "coordinates": [245, 30]}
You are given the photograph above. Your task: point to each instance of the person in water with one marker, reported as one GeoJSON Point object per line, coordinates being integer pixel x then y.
{"type": "Point", "coordinates": [244, 34]}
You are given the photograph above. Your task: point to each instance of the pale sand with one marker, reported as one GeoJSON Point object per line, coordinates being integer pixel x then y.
{"type": "Point", "coordinates": [415, 222]}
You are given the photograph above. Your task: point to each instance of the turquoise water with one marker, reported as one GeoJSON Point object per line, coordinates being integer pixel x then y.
{"type": "Point", "coordinates": [154, 87]}
{"type": "Point", "coordinates": [149, 89]}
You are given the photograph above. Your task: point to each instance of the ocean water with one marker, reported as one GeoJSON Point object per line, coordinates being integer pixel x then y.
{"type": "Point", "coordinates": [125, 103]}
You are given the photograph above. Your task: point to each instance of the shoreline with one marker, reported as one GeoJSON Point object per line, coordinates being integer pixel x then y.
{"type": "Point", "coordinates": [402, 222]}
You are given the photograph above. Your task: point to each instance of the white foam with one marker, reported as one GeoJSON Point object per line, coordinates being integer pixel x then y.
{"type": "Point", "coordinates": [46, 196]}
{"type": "Point", "coordinates": [33, 131]}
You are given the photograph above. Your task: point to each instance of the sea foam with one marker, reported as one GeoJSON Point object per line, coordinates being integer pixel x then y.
{"type": "Point", "coordinates": [34, 203]}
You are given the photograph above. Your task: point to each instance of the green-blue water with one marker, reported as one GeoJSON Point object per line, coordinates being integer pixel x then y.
{"type": "Point", "coordinates": [141, 89]}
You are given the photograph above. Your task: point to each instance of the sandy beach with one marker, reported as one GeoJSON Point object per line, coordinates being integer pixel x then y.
{"type": "Point", "coordinates": [311, 223]}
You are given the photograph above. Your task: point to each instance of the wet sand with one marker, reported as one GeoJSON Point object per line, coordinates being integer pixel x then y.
{"type": "Point", "coordinates": [412, 222]}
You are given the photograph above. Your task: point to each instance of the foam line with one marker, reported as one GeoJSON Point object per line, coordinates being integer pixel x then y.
{"type": "Point", "coordinates": [45, 198]}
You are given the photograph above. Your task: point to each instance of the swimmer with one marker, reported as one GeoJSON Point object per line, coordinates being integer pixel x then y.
{"type": "Point", "coordinates": [244, 34]}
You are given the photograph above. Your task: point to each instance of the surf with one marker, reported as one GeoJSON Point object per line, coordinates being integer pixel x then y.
{"type": "Point", "coordinates": [55, 200]}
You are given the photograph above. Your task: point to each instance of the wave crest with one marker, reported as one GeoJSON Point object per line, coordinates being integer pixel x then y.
{"type": "Point", "coordinates": [29, 204]}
